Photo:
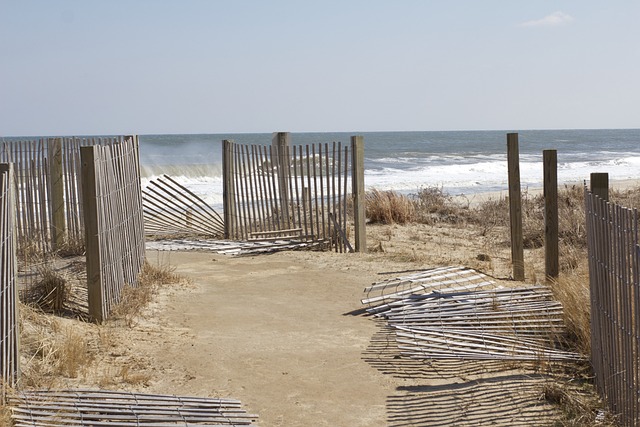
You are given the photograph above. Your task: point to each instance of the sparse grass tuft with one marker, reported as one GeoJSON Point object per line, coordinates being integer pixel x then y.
{"type": "Point", "coordinates": [134, 299]}
{"type": "Point", "coordinates": [73, 354]}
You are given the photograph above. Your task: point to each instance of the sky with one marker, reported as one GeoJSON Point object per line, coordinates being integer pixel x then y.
{"type": "Point", "coordinates": [87, 67]}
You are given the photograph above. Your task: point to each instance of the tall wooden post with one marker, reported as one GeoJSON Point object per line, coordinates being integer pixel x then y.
{"type": "Point", "coordinates": [357, 182]}
{"type": "Point", "coordinates": [56, 185]}
{"type": "Point", "coordinates": [228, 189]}
{"type": "Point", "coordinates": [515, 207]}
{"type": "Point", "coordinates": [551, 251]}
{"type": "Point", "coordinates": [600, 185]}
{"type": "Point", "coordinates": [88, 157]}
{"type": "Point", "coordinates": [280, 143]}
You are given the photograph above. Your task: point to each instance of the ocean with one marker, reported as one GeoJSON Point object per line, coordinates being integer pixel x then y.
{"type": "Point", "coordinates": [458, 162]}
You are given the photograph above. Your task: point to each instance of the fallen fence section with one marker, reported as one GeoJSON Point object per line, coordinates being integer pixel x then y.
{"type": "Point", "coordinates": [110, 408]}
{"type": "Point", "coordinates": [226, 247]}
{"type": "Point", "coordinates": [459, 313]}
{"type": "Point", "coordinates": [171, 209]}
{"type": "Point", "coordinates": [9, 336]}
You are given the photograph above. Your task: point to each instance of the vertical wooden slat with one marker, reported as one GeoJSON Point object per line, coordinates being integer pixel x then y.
{"type": "Point", "coordinates": [338, 208]}
{"type": "Point", "coordinates": [267, 175]}
{"type": "Point", "coordinates": [257, 170]}
{"type": "Point", "coordinates": [228, 188]}
{"type": "Point", "coordinates": [331, 184]}
{"type": "Point", "coordinates": [275, 201]}
{"type": "Point", "coordinates": [296, 178]}
{"type": "Point", "coordinates": [345, 174]}
{"type": "Point", "coordinates": [320, 213]}
{"type": "Point", "coordinates": [309, 207]}
{"type": "Point", "coordinates": [56, 195]}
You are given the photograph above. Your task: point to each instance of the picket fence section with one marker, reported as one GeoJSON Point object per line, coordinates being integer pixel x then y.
{"type": "Point", "coordinates": [48, 196]}
{"type": "Point", "coordinates": [9, 336]}
{"type": "Point", "coordinates": [614, 265]}
{"type": "Point", "coordinates": [285, 191]}
{"type": "Point", "coordinates": [114, 224]}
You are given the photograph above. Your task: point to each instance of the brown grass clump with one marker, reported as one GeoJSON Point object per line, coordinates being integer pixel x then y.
{"type": "Point", "coordinates": [572, 290]}
{"type": "Point", "coordinates": [49, 351]}
{"type": "Point", "coordinates": [50, 292]}
{"type": "Point", "coordinates": [579, 406]}
{"type": "Point", "coordinates": [389, 207]}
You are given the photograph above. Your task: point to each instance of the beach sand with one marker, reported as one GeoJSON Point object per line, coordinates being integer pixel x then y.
{"type": "Point", "coordinates": [284, 333]}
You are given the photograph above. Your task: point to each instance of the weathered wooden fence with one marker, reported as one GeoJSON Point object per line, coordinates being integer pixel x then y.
{"type": "Point", "coordinates": [48, 197]}
{"type": "Point", "coordinates": [614, 264]}
{"type": "Point", "coordinates": [114, 225]}
{"type": "Point", "coordinates": [9, 338]}
{"type": "Point", "coordinates": [291, 192]}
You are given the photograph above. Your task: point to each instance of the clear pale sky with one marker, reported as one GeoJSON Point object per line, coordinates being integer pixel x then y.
{"type": "Point", "coordinates": [74, 67]}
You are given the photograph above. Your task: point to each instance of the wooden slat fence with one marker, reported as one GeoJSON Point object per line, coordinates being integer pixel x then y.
{"type": "Point", "coordinates": [48, 197]}
{"type": "Point", "coordinates": [9, 336]}
{"type": "Point", "coordinates": [614, 265]}
{"type": "Point", "coordinates": [456, 313]}
{"type": "Point", "coordinates": [283, 192]}
{"type": "Point", "coordinates": [171, 209]}
{"type": "Point", "coordinates": [112, 408]}
{"type": "Point", "coordinates": [114, 225]}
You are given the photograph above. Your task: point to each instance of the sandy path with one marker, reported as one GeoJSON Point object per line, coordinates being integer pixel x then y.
{"type": "Point", "coordinates": [274, 334]}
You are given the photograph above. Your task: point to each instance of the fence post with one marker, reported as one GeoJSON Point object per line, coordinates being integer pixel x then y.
{"type": "Point", "coordinates": [280, 143]}
{"type": "Point", "coordinates": [552, 262]}
{"type": "Point", "coordinates": [56, 201]}
{"type": "Point", "coordinates": [89, 155]}
{"type": "Point", "coordinates": [357, 182]}
{"type": "Point", "coordinates": [600, 185]}
{"type": "Point", "coordinates": [228, 189]}
{"type": "Point", "coordinates": [515, 207]}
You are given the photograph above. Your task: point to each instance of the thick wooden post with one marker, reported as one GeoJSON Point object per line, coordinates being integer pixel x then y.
{"type": "Point", "coordinates": [551, 251]}
{"type": "Point", "coordinates": [357, 182]}
{"type": "Point", "coordinates": [280, 143]}
{"type": "Point", "coordinates": [228, 189]}
{"type": "Point", "coordinates": [89, 156]}
{"type": "Point", "coordinates": [56, 200]}
{"type": "Point", "coordinates": [515, 207]}
{"type": "Point", "coordinates": [600, 185]}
